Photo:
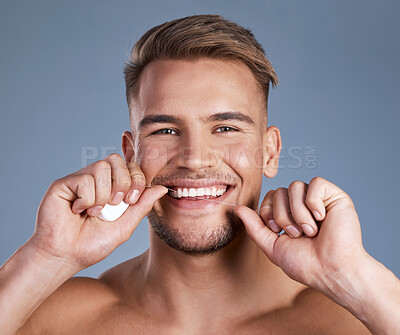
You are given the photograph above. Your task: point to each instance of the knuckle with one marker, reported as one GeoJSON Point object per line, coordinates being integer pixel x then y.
{"type": "Point", "coordinates": [268, 198]}
{"type": "Point", "coordinates": [114, 157]}
{"type": "Point", "coordinates": [86, 179]}
{"type": "Point", "coordinates": [121, 182]}
{"type": "Point", "coordinates": [266, 212]}
{"type": "Point", "coordinates": [87, 201]}
{"type": "Point", "coordinates": [57, 182]}
{"type": "Point", "coordinates": [281, 190]}
{"type": "Point", "coordinates": [317, 181]}
{"type": "Point", "coordinates": [87, 197]}
{"type": "Point", "coordinates": [280, 219]}
{"type": "Point", "coordinates": [102, 165]}
{"type": "Point", "coordinates": [132, 166]}
{"type": "Point", "coordinates": [311, 202]}
{"type": "Point", "coordinates": [297, 184]}
{"type": "Point", "coordinates": [126, 182]}
{"type": "Point", "coordinates": [138, 180]}
{"type": "Point", "coordinates": [270, 192]}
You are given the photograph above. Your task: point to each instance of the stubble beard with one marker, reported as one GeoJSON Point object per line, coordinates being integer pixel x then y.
{"type": "Point", "coordinates": [197, 242]}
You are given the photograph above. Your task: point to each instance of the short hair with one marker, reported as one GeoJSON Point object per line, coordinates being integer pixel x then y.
{"type": "Point", "coordinates": [195, 37]}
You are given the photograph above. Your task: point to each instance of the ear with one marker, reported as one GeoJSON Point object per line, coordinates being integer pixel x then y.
{"type": "Point", "coordinates": [128, 146]}
{"type": "Point", "coordinates": [272, 145]}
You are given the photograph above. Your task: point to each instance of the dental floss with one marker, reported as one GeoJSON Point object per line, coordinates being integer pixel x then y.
{"type": "Point", "coordinates": [221, 202]}
{"type": "Point", "coordinates": [113, 212]}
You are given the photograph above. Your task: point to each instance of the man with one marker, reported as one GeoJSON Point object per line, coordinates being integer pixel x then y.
{"type": "Point", "coordinates": [197, 92]}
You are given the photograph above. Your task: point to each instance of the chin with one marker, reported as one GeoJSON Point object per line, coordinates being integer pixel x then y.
{"type": "Point", "coordinates": [206, 236]}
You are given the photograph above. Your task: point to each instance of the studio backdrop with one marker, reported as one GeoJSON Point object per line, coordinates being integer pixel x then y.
{"type": "Point", "coordinates": [62, 100]}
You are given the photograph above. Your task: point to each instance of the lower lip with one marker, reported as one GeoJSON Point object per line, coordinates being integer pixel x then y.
{"type": "Point", "coordinates": [198, 203]}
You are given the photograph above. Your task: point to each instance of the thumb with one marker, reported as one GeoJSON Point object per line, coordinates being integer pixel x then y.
{"type": "Point", "coordinates": [264, 237]}
{"type": "Point", "coordinates": [135, 213]}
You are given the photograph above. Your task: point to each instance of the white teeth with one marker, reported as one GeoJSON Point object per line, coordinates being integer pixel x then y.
{"type": "Point", "coordinates": [200, 192]}
{"type": "Point", "coordinates": [197, 192]}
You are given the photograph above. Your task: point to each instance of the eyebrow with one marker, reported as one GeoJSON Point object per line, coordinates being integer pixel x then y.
{"type": "Point", "coordinates": [158, 118]}
{"type": "Point", "coordinates": [230, 116]}
{"type": "Point", "coordinates": [165, 118]}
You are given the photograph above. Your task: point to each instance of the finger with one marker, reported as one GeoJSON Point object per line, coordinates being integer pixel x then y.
{"type": "Point", "coordinates": [257, 230]}
{"type": "Point", "coordinates": [301, 214]}
{"type": "Point", "coordinates": [135, 213]}
{"type": "Point", "coordinates": [138, 183]}
{"type": "Point", "coordinates": [120, 178]}
{"type": "Point", "coordinates": [322, 195]}
{"type": "Point", "coordinates": [266, 212]}
{"type": "Point", "coordinates": [78, 189]}
{"type": "Point", "coordinates": [101, 172]}
{"type": "Point", "coordinates": [282, 215]}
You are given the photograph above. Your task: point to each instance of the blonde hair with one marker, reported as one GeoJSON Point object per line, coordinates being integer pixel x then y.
{"type": "Point", "coordinates": [194, 37]}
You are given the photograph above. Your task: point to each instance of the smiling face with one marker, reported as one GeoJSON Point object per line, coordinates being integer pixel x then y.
{"type": "Point", "coordinates": [199, 128]}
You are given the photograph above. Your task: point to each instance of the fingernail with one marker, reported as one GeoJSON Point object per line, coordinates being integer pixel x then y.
{"type": "Point", "coordinates": [293, 231]}
{"type": "Point", "coordinates": [133, 196]}
{"type": "Point", "coordinates": [274, 226]}
{"type": "Point", "coordinates": [96, 210]}
{"type": "Point", "coordinates": [117, 198]}
{"type": "Point", "coordinates": [307, 229]}
{"type": "Point", "coordinates": [317, 215]}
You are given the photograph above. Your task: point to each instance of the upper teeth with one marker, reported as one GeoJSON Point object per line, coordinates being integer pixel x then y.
{"type": "Point", "coordinates": [214, 191]}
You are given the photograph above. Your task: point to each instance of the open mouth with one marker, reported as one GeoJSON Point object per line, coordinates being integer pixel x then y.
{"type": "Point", "coordinates": [199, 193]}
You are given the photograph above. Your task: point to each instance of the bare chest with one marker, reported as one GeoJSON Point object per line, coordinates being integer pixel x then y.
{"type": "Point", "coordinates": [126, 323]}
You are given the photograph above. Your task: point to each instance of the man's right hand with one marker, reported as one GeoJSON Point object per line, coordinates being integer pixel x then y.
{"type": "Point", "coordinates": [69, 237]}
{"type": "Point", "coordinates": [67, 226]}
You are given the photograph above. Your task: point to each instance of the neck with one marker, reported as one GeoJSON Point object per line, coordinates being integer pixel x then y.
{"type": "Point", "coordinates": [239, 276]}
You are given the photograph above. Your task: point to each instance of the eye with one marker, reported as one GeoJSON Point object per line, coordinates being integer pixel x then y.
{"type": "Point", "coordinates": [225, 129]}
{"type": "Point", "coordinates": [165, 131]}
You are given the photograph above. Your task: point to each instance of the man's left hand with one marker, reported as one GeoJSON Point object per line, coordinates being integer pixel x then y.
{"type": "Point", "coordinates": [330, 244]}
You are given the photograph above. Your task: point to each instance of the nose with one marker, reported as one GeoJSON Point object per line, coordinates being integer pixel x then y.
{"type": "Point", "coordinates": [196, 151]}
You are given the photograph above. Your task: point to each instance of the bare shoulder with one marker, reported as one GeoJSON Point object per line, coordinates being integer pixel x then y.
{"type": "Point", "coordinates": [309, 313]}
{"type": "Point", "coordinates": [78, 302]}
{"type": "Point", "coordinates": [124, 278]}
{"type": "Point", "coordinates": [85, 305]}
{"type": "Point", "coordinates": [321, 315]}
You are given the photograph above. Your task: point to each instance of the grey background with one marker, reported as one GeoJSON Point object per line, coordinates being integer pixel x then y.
{"type": "Point", "coordinates": [62, 94]}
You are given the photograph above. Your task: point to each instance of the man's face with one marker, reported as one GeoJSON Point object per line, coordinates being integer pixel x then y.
{"type": "Point", "coordinates": [199, 129]}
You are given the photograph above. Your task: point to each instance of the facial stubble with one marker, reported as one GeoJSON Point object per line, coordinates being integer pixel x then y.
{"type": "Point", "coordinates": [197, 241]}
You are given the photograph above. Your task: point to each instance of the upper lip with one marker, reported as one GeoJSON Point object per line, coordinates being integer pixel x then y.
{"type": "Point", "coordinates": [196, 183]}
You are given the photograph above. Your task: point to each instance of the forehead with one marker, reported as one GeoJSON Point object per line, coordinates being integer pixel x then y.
{"type": "Point", "coordinates": [197, 88]}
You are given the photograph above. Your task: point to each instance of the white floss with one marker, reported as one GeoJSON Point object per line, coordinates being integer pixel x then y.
{"type": "Point", "coordinates": [111, 212]}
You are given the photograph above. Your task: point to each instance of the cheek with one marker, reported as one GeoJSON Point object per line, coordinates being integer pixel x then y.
{"type": "Point", "coordinates": [244, 156]}
{"type": "Point", "coordinates": [154, 157]}
{"type": "Point", "coordinates": [151, 158]}
{"type": "Point", "coordinates": [246, 160]}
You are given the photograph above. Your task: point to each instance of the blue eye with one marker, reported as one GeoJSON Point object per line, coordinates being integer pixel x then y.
{"type": "Point", "coordinates": [165, 131]}
{"type": "Point", "coordinates": [225, 129]}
